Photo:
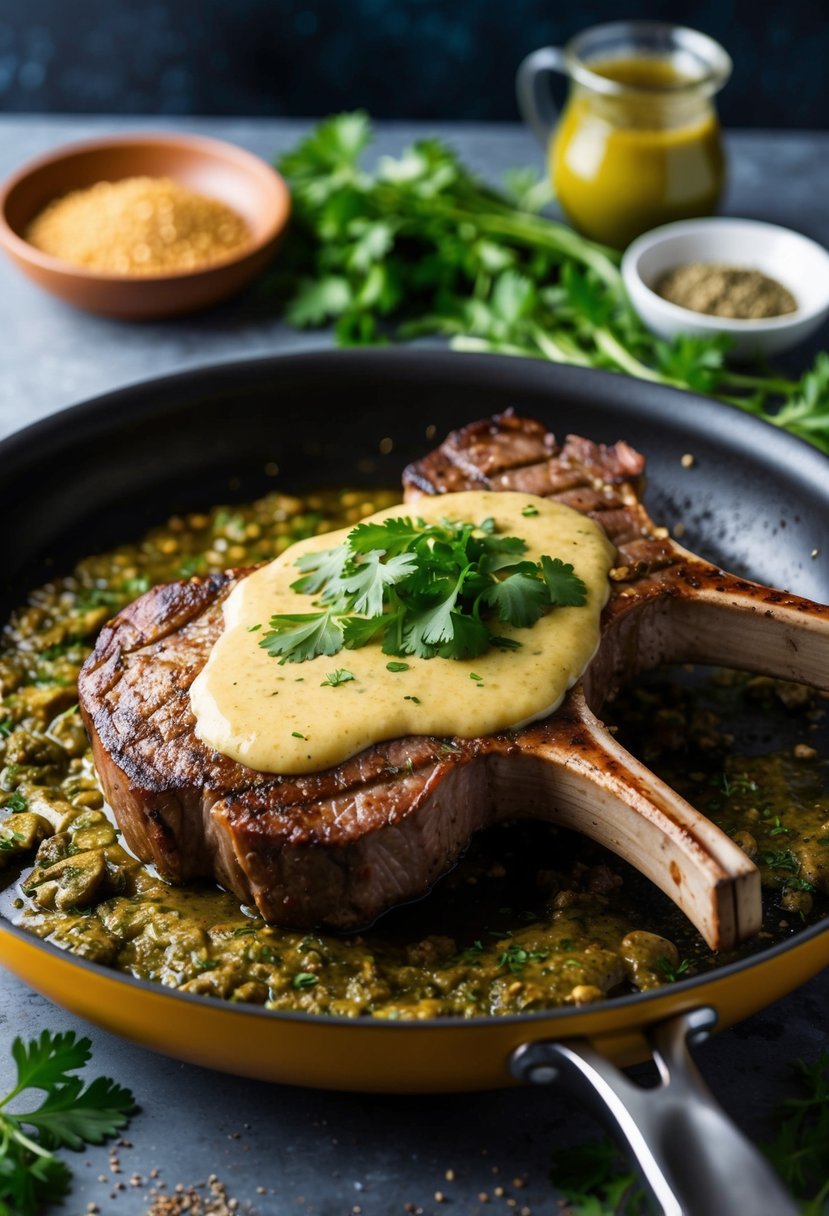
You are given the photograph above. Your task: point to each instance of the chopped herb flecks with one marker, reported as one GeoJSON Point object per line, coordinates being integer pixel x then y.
{"type": "Point", "coordinates": [333, 679]}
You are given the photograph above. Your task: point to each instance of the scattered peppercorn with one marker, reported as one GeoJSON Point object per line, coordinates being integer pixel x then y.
{"type": "Point", "coordinates": [725, 291]}
{"type": "Point", "coordinates": [138, 226]}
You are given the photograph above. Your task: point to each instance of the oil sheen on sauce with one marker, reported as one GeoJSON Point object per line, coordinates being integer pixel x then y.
{"type": "Point", "coordinates": [284, 717]}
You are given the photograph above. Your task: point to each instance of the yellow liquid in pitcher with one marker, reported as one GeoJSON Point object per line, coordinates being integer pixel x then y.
{"type": "Point", "coordinates": [622, 165]}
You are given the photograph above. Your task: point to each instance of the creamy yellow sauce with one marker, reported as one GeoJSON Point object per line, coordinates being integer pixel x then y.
{"type": "Point", "coordinates": [283, 717]}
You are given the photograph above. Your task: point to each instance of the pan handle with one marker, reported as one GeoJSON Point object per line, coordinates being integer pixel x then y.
{"type": "Point", "coordinates": [692, 1156]}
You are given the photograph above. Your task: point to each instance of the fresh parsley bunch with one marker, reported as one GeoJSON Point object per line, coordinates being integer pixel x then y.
{"type": "Point", "coordinates": [68, 1116]}
{"type": "Point", "coordinates": [419, 245]}
{"type": "Point", "coordinates": [424, 590]}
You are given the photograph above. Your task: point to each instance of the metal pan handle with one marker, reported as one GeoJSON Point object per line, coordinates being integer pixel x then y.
{"type": "Point", "coordinates": [692, 1156]}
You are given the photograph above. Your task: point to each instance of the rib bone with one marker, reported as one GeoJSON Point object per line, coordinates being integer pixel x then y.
{"type": "Point", "coordinates": [667, 606]}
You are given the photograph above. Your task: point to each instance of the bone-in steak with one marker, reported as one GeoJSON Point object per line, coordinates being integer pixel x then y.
{"type": "Point", "coordinates": [335, 848]}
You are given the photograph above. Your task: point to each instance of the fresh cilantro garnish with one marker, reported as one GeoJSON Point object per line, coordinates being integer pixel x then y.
{"type": "Point", "coordinates": [421, 589]}
{"type": "Point", "coordinates": [68, 1116]}
{"type": "Point", "coordinates": [529, 511]}
{"type": "Point", "coordinates": [303, 636]}
{"type": "Point", "coordinates": [333, 679]}
{"type": "Point", "coordinates": [16, 802]}
{"type": "Point", "coordinates": [393, 666]}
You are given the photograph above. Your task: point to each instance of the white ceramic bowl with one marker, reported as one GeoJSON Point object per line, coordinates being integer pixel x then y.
{"type": "Point", "coordinates": [800, 264]}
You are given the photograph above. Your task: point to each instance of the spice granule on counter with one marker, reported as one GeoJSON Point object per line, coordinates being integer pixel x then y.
{"type": "Point", "coordinates": [725, 291]}
{"type": "Point", "coordinates": [189, 1201]}
{"type": "Point", "coordinates": [138, 226]}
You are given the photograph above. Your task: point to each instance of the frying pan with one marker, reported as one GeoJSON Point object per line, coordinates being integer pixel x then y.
{"type": "Point", "coordinates": [755, 501]}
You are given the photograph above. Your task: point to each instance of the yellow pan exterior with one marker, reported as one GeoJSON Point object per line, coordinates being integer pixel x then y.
{"type": "Point", "coordinates": [380, 1056]}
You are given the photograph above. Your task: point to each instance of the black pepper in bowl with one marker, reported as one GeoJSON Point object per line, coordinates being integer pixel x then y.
{"type": "Point", "coordinates": [725, 291]}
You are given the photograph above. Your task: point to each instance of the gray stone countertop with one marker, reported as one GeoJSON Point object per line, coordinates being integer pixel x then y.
{"type": "Point", "coordinates": [283, 1150]}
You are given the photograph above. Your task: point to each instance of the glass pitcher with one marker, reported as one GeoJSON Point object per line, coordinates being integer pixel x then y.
{"type": "Point", "coordinates": [638, 141]}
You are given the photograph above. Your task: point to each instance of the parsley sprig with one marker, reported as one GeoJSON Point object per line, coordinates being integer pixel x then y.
{"type": "Point", "coordinates": [420, 589]}
{"type": "Point", "coordinates": [419, 245]}
{"type": "Point", "coordinates": [68, 1116]}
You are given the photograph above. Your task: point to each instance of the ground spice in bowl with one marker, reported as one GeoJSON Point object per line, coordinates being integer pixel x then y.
{"type": "Point", "coordinates": [725, 291]}
{"type": "Point", "coordinates": [140, 226]}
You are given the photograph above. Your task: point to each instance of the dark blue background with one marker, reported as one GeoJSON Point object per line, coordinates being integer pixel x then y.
{"type": "Point", "coordinates": [418, 59]}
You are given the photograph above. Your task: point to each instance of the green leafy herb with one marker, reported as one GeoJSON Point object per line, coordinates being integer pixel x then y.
{"type": "Point", "coordinates": [68, 1116]}
{"type": "Point", "coordinates": [16, 802]}
{"type": "Point", "coordinates": [304, 979]}
{"type": "Point", "coordinates": [297, 734]}
{"type": "Point", "coordinates": [419, 245]}
{"type": "Point", "coordinates": [422, 589]}
{"type": "Point", "coordinates": [516, 957]}
{"type": "Point", "coordinates": [779, 828]}
{"type": "Point", "coordinates": [780, 859]}
{"type": "Point", "coordinates": [397, 666]}
{"type": "Point", "coordinates": [333, 679]}
{"type": "Point", "coordinates": [671, 972]}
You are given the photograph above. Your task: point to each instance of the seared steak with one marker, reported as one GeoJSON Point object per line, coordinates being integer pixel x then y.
{"type": "Point", "coordinates": [337, 848]}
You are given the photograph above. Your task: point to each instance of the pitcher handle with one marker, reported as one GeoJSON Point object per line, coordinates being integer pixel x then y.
{"type": "Point", "coordinates": [535, 98]}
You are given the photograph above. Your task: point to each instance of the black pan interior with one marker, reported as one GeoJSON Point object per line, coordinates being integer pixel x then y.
{"type": "Point", "coordinates": [754, 500]}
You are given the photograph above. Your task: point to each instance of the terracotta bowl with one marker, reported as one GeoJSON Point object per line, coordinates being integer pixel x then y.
{"type": "Point", "coordinates": [208, 166]}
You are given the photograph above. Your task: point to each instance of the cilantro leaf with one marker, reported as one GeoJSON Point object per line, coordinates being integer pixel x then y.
{"type": "Point", "coordinates": [358, 631]}
{"type": "Point", "coordinates": [317, 301]}
{"type": "Point", "coordinates": [392, 536]}
{"type": "Point", "coordinates": [432, 626]}
{"type": "Point", "coordinates": [371, 579]}
{"type": "Point", "coordinates": [320, 568]}
{"type": "Point", "coordinates": [520, 598]}
{"type": "Point", "coordinates": [303, 636]}
{"type": "Point", "coordinates": [565, 587]}
{"type": "Point", "coordinates": [69, 1115]}
{"type": "Point", "coordinates": [470, 638]}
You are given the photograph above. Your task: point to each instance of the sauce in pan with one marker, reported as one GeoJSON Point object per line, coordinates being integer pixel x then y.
{"type": "Point", "coordinates": [531, 918]}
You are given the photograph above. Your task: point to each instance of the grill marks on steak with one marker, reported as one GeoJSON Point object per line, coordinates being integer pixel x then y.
{"type": "Point", "coordinates": [512, 453]}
